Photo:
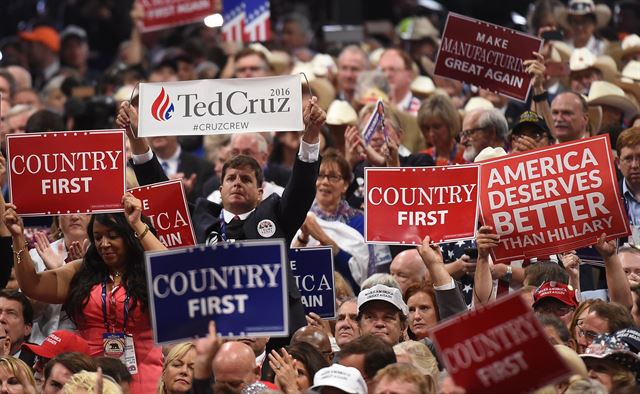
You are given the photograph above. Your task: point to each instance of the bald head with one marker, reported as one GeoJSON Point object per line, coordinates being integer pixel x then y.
{"type": "Point", "coordinates": [250, 144]}
{"type": "Point", "coordinates": [315, 337]}
{"type": "Point", "coordinates": [22, 77]}
{"type": "Point", "coordinates": [235, 364]}
{"type": "Point", "coordinates": [407, 268]}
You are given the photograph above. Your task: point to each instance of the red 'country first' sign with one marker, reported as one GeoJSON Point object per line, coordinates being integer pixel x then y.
{"type": "Point", "coordinates": [499, 348]}
{"type": "Point", "coordinates": [161, 14]}
{"type": "Point", "coordinates": [402, 205]}
{"type": "Point", "coordinates": [67, 172]}
{"type": "Point", "coordinates": [165, 205]}
{"type": "Point", "coordinates": [486, 55]}
{"type": "Point", "coordinates": [552, 200]}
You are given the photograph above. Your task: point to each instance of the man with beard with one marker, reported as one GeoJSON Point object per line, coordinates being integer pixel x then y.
{"type": "Point", "coordinates": [482, 128]}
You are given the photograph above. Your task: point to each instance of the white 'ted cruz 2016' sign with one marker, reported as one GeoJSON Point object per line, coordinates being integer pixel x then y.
{"type": "Point", "coordinates": [220, 106]}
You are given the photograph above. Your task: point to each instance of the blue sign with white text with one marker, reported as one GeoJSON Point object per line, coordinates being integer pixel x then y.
{"type": "Point", "coordinates": [241, 286]}
{"type": "Point", "coordinates": [313, 270]}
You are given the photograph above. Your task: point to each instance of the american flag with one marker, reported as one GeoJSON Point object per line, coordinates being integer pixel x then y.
{"type": "Point", "coordinates": [258, 26]}
{"type": "Point", "coordinates": [234, 19]}
{"type": "Point", "coordinates": [246, 20]}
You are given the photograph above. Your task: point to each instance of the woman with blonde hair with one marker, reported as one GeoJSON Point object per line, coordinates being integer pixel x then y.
{"type": "Point", "coordinates": [440, 124]}
{"type": "Point", "coordinates": [177, 371]}
{"type": "Point", "coordinates": [85, 382]}
{"type": "Point", "coordinates": [578, 317]}
{"type": "Point", "coordinates": [16, 376]}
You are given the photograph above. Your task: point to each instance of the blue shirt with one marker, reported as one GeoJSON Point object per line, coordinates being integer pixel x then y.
{"type": "Point", "coordinates": [632, 205]}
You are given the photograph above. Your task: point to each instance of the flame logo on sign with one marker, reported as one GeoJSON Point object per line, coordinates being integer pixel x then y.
{"type": "Point", "coordinates": [162, 107]}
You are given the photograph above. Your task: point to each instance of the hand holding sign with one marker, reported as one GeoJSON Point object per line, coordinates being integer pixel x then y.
{"type": "Point", "coordinates": [314, 118]}
{"type": "Point", "coordinates": [132, 209]}
{"type": "Point", "coordinates": [536, 68]}
{"type": "Point", "coordinates": [3, 172]}
{"type": "Point", "coordinates": [486, 240]}
{"type": "Point", "coordinates": [606, 248]}
{"type": "Point", "coordinates": [206, 349]}
{"type": "Point", "coordinates": [13, 221]}
{"type": "Point", "coordinates": [431, 255]}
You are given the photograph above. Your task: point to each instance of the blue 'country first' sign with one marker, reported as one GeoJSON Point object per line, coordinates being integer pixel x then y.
{"type": "Point", "coordinates": [241, 286]}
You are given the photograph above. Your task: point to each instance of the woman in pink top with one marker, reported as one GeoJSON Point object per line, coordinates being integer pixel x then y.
{"type": "Point", "coordinates": [105, 293]}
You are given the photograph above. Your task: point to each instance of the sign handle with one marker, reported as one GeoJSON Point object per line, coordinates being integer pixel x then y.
{"type": "Point", "coordinates": [308, 85]}
{"type": "Point", "coordinates": [136, 87]}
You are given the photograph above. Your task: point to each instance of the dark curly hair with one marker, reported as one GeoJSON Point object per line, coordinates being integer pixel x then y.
{"type": "Point", "coordinates": [94, 270]}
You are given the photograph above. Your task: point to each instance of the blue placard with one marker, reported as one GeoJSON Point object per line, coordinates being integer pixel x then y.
{"type": "Point", "coordinates": [375, 120]}
{"type": "Point", "coordinates": [313, 270]}
{"type": "Point", "coordinates": [241, 285]}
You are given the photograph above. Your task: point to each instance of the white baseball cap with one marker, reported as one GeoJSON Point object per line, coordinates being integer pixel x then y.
{"type": "Point", "coordinates": [347, 379]}
{"type": "Point", "coordinates": [383, 293]}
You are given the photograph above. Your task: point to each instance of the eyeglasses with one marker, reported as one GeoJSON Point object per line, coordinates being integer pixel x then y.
{"type": "Point", "coordinates": [333, 178]}
{"type": "Point", "coordinates": [630, 159]}
{"type": "Point", "coordinates": [558, 310]}
{"type": "Point", "coordinates": [469, 132]}
{"type": "Point", "coordinates": [590, 335]}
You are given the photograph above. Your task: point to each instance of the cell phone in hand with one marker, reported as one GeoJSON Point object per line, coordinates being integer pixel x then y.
{"type": "Point", "coordinates": [553, 35]}
{"type": "Point", "coordinates": [472, 253]}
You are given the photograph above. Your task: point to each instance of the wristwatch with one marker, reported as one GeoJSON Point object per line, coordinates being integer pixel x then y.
{"type": "Point", "coordinates": [507, 277]}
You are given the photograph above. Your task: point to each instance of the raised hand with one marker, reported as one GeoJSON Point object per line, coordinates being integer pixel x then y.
{"type": "Point", "coordinates": [486, 240]}
{"type": "Point", "coordinates": [77, 250]}
{"type": "Point", "coordinates": [606, 248]}
{"type": "Point", "coordinates": [132, 209]}
{"type": "Point", "coordinates": [13, 221]}
{"type": "Point", "coordinates": [51, 258]}
{"type": "Point", "coordinates": [314, 118]}
{"type": "Point", "coordinates": [431, 253]}
{"type": "Point", "coordinates": [285, 370]}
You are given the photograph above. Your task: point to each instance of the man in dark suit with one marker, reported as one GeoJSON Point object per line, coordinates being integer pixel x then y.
{"type": "Point", "coordinates": [180, 164]}
{"type": "Point", "coordinates": [16, 318]}
{"type": "Point", "coordinates": [242, 215]}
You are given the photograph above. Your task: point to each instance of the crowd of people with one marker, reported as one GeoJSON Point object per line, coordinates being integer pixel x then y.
{"type": "Point", "coordinates": [74, 303]}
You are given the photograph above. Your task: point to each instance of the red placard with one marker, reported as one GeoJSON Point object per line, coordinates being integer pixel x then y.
{"type": "Point", "coordinates": [552, 200]}
{"type": "Point", "coordinates": [498, 348]}
{"type": "Point", "coordinates": [162, 14]}
{"type": "Point", "coordinates": [486, 55]}
{"type": "Point", "coordinates": [402, 205]}
{"type": "Point", "coordinates": [67, 172]}
{"type": "Point", "coordinates": [166, 205]}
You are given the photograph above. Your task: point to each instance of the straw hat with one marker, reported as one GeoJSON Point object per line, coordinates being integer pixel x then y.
{"type": "Point", "coordinates": [605, 93]}
{"type": "Point", "coordinates": [417, 28]}
{"type": "Point", "coordinates": [324, 90]}
{"type": "Point", "coordinates": [320, 87]}
{"type": "Point", "coordinates": [477, 102]}
{"type": "Point", "coordinates": [489, 153]}
{"type": "Point", "coordinates": [601, 12]}
{"type": "Point", "coordinates": [630, 45]}
{"type": "Point", "coordinates": [582, 59]}
{"type": "Point", "coordinates": [375, 55]}
{"type": "Point", "coordinates": [631, 72]}
{"type": "Point", "coordinates": [630, 81]}
{"type": "Point", "coordinates": [341, 113]}
{"type": "Point", "coordinates": [322, 63]}
{"type": "Point", "coordinates": [563, 51]}
{"type": "Point", "coordinates": [595, 117]}
{"type": "Point", "coordinates": [422, 86]}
